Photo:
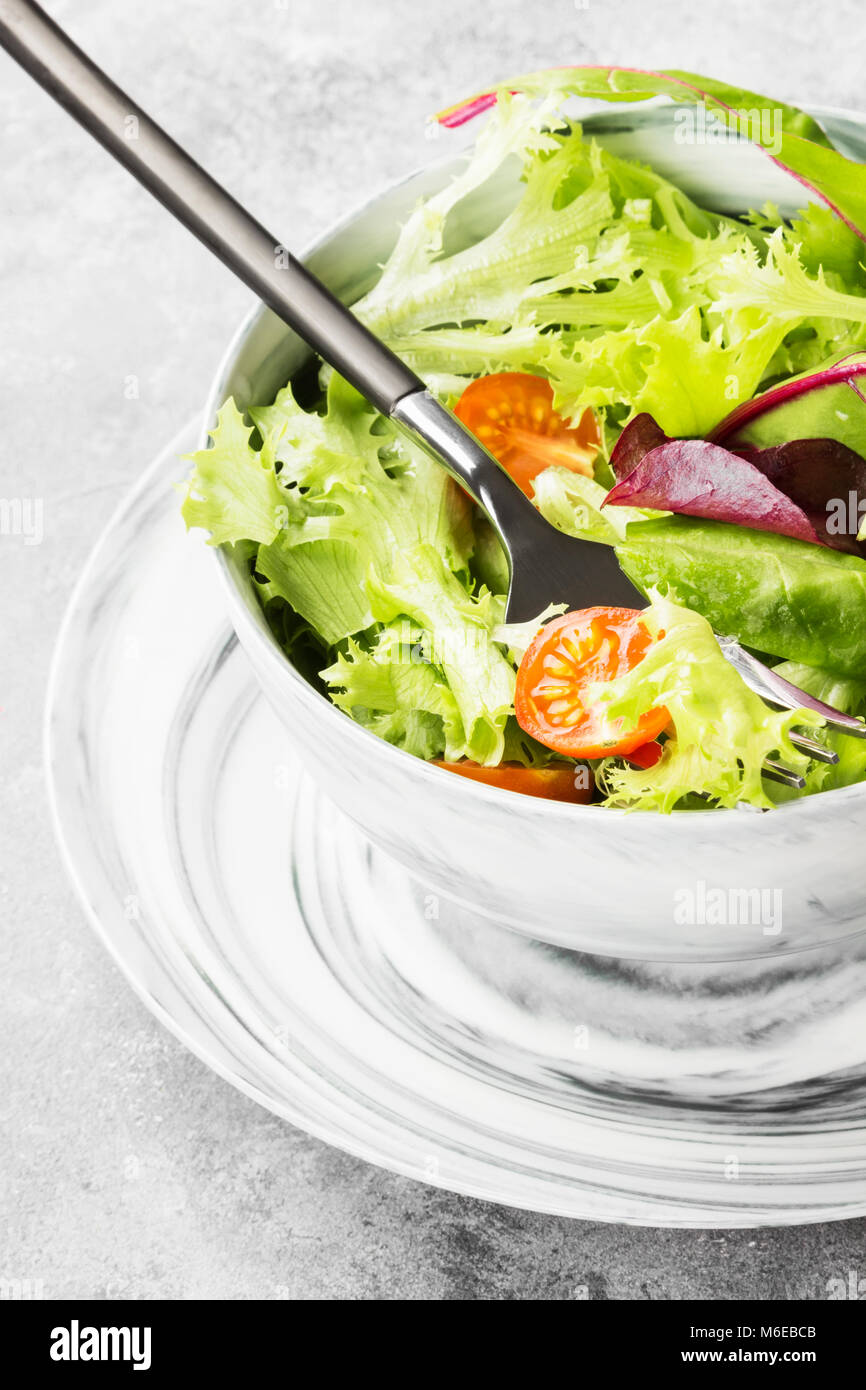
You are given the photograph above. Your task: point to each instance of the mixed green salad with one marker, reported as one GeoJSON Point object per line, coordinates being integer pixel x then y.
{"type": "Point", "coordinates": [687, 387]}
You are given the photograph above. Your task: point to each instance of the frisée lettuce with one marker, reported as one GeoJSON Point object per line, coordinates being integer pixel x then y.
{"type": "Point", "coordinates": [357, 532]}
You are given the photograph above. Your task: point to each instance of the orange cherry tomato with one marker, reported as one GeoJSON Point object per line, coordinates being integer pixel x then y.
{"type": "Point", "coordinates": [567, 657]}
{"type": "Point", "coordinates": [554, 783]}
{"type": "Point", "coordinates": [512, 414]}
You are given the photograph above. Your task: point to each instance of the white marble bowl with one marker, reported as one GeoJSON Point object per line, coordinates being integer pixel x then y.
{"type": "Point", "coordinates": [699, 886]}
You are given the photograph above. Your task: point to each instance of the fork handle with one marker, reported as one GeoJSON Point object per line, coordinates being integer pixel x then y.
{"type": "Point", "coordinates": [256, 257]}
{"type": "Point", "coordinates": [201, 204]}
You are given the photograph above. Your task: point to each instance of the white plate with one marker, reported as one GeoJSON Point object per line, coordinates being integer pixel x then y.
{"type": "Point", "coordinates": [314, 974]}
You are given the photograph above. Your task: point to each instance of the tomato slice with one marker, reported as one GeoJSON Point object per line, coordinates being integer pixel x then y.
{"type": "Point", "coordinates": [554, 783]}
{"type": "Point", "coordinates": [570, 654]}
{"type": "Point", "coordinates": [512, 414]}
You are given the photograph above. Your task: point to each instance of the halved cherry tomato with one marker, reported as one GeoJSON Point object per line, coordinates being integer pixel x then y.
{"type": "Point", "coordinates": [566, 658]}
{"type": "Point", "coordinates": [512, 414]}
{"type": "Point", "coordinates": [554, 783]}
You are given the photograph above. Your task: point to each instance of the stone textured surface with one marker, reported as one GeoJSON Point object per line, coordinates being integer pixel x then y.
{"type": "Point", "coordinates": [127, 1168]}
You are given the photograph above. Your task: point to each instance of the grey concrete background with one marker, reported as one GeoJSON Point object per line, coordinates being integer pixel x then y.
{"type": "Point", "coordinates": [128, 1169]}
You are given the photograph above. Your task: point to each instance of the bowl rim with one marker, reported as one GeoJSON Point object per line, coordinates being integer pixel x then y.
{"type": "Point", "coordinates": [817, 804]}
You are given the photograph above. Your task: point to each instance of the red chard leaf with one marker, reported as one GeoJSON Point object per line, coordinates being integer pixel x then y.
{"type": "Point", "coordinates": [696, 478]}
{"type": "Point", "coordinates": [826, 479]}
{"type": "Point", "coordinates": [639, 436]}
{"type": "Point", "coordinates": [811, 489]}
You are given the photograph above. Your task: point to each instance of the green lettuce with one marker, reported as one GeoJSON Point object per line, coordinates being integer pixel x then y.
{"type": "Point", "coordinates": [349, 500]}
{"type": "Point", "coordinates": [794, 140]}
{"type": "Point", "coordinates": [828, 403]}
{"type": "Point", "coordinates": [777, 282]}
{"type": "Point", "coordinates": [573, 503]}
{"type": "Point", "coordinates": [357, 532]}
{"type": "Point", "coordinates": [393, 689]}
{"type": "Point", "coordinates": [631, 298]}
{"type": "Point", "coordinates": [234, 492]}
{"type": "Point", "coordinates": [786, 597]}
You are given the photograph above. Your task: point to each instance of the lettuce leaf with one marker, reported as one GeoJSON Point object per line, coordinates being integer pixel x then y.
{"type": "Point", "coordinates": [792, 139]}
{"type": "Point", "coordinates": [813, 489]}
{"type": "Point", "coordinates": [349, 499]}
{"type": "Point", "coordinates": [722, 731]}
{"type": "Point", "coordinates": [458, 638]}
{"type": "Point", "coordinates": [695, 478]}
{"type": "Point", "coordinates": [619, 84]}
{"type": "Point", "coordinates": [778, 282]}
{"type": "Point", "coordinates": [631, 297]}
{"type": "Point", "coordinates": [360, 536]}
{"type": "Point", "coordinates": [395, 690]}
{"type": "Point", "coordinates": [234, 491]}
{"type": "Point", "coordinates": [392, 689]}
{"type": "Point", "coordinates": [782, 596]}
{"type": "Point", "coordinates": [679, 371]}
{"type": "Point", "coordinates": [574, 504]}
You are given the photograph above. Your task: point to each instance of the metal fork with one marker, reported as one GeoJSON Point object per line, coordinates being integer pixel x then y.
{"type": "Point", "coordinates": [546, 566]}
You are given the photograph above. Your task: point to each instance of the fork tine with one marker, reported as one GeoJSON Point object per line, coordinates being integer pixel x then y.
{"type": "Point", "coordinates": [819, 751]}
{"type": "Point", "coordinates": [778, 772]}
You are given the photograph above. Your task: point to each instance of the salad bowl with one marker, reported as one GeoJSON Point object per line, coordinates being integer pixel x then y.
{"type": "Point", "coordinates": [696, 886]}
